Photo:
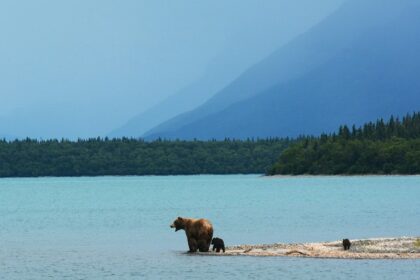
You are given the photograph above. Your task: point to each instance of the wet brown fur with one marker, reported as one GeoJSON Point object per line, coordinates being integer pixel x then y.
{"type": "Point", "coordinates": [199, 232]}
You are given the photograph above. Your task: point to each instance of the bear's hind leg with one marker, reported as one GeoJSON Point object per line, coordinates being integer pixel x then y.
{"type": "Point", "coordinates": [203, 246]}
{"type": "Point", "coordinates": [192, 243]}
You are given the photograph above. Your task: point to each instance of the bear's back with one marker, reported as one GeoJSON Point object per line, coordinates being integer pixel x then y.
{"type": "Point", "coordinates": [199, 227]}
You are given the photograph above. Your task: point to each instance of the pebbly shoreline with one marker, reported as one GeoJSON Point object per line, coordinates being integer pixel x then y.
{"type": "Point", "coordinates": [374, 248]}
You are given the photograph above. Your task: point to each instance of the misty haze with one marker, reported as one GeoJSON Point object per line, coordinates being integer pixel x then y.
{"type": "Point", "coordinates": [184, 139]}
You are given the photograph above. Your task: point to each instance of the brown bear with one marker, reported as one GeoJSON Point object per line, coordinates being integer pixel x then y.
{"type": "Point", "coordinates": [199, 232]}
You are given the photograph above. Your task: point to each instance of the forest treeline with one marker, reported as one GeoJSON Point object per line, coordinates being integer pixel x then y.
{"type": "Point", "coordinates": [95, 157]}
{"type": "Point", "coordinates": [391, 147]}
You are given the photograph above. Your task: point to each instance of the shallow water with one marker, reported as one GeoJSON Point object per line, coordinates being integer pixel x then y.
{"type": "Point", "coordinates": [118, 227]}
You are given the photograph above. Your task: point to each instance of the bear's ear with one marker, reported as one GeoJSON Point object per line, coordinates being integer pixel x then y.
{"type": "Point", "coordinates": [179, 218]}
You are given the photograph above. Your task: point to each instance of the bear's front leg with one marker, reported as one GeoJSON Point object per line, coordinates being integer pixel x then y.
{"type": "Point", "coordinates": [192, 244]}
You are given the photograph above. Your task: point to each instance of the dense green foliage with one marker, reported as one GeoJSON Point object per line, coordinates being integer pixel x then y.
{"type": "Point", "coordinates": [94, 157]}
{"type": "Point", "coordinates": [391, 147]}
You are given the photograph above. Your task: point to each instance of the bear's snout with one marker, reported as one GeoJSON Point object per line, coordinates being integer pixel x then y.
{"type": "Point", "coordinates": [174, 226]}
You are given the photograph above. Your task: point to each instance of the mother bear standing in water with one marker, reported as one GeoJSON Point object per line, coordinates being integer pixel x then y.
{"type": "Point", "coordinates": [199, 232]}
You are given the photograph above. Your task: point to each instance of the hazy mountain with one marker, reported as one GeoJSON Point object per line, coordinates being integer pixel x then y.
{"type": "Point", "coordinates": [184, 100]}
{"type": "Point", "coordinates": [243, 48]}
{"type": "Point", "coordinates": [83, 68]}
{"type": "Point", "coordinates": [358, 64]}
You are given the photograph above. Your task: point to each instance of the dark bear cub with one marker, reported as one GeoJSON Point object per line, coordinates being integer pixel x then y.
{"type": "Point", "coordinates": [218, 244]}
{"type": "Point", "coordinates": [346, 244]}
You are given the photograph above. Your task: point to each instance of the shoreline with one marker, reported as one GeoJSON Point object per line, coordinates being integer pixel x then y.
{"type": "Point", "coordinates": [372, 248]}
{"type": "Point", "coordinates": [339, 175]}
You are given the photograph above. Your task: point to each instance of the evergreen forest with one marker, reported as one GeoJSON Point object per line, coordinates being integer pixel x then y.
{"type": "Point", "coordinates": [391, 147]}
{"type": "Point", "coordinates": [98, 157]}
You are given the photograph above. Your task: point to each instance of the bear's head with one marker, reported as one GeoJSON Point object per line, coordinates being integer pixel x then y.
{"type": "Point", "coordinates": [178, 224]}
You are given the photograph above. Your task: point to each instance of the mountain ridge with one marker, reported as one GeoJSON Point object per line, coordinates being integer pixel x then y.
{"type": "Point", "coordinates": [220, 125]}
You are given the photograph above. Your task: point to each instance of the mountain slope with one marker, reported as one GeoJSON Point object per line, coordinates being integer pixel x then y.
{"type": "Point", "coordinates": [185, 100]}
{"type": "Point", "coordinates": [370, 73]}
{"type": "Point", "coordinates": [243, 48]}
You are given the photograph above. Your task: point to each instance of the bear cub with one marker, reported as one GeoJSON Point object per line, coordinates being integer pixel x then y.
{"type": "Point", "coordinates": [346, 244]}
{"type": "Point", "coordinates": [218, 244]}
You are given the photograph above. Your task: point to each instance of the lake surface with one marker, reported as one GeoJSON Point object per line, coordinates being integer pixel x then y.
{"type": "Point", "coordinates": [118, 227]}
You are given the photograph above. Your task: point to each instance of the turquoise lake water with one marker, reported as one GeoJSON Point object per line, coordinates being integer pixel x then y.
{"type": "Point", "coordinates": [118, 227]}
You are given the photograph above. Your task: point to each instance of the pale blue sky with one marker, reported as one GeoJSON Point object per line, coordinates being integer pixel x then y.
{"type": "Point", "coordinates": [81, 68]}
